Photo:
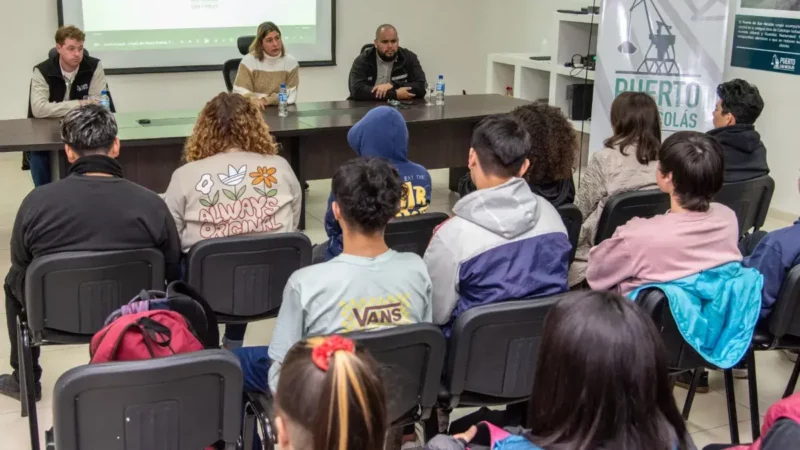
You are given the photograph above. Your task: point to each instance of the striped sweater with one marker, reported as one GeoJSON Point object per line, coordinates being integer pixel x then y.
{"type": "Point", "coordinates": [263, 79]}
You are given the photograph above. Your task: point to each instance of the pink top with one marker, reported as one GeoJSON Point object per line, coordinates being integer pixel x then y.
{"type": "Point", "coordinates": [664, 248]}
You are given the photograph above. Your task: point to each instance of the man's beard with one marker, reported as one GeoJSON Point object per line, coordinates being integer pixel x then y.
{"type": "Point", "coordinates": [386, 58]}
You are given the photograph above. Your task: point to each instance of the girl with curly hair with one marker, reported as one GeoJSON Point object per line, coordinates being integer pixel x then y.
{"type": "Point", "coordinates": [551, 155]}
{"type": "Point", "coordinates": [627, 163]}
{"type": "Point", "coordinates": [233, 181]}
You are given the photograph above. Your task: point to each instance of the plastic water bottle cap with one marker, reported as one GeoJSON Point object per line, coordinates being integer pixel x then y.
{"type": "Point", "coordinates": [441, 77]}
{"type": "Point", "coordinates": [283, 86]}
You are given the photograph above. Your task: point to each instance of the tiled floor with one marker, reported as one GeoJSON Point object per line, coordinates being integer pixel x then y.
{"type": "Point", "coordinates": [707, 423]}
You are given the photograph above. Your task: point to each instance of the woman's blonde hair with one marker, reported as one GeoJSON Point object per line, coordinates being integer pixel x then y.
{"type": "Point", "coordinates": [228, 121]}
{"type": "Point", "coordinates": [257, 48]}
{"type": "Point", "coordinates": [337, 400]}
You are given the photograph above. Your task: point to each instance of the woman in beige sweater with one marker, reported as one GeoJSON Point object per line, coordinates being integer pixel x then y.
{"type": "Point", "coordinates": [233, 181]}
{"type": "Point", "coordinates": [628, 163]}
{"type": "Point", "coordinates": [266, 67]}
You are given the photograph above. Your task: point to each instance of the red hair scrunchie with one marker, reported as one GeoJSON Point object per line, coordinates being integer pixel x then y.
{"type": "Point", "coordinates": [321, 355]}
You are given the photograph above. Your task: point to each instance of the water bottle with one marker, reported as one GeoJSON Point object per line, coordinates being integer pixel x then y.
{"type": "Point", "coordinates": [440, 91]}
{"type": "Point", "coordinates": [283, 102]}
{"type": "Point", "coordinates": [105, 100]}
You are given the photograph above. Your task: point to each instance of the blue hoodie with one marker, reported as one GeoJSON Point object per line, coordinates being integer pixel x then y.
{"type": "Point", "coordinates": [383, 133]}
{"type": "Point", "coordinates": [774, 256]}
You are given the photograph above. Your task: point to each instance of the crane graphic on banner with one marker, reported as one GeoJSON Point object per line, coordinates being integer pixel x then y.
{"type": "Point", "coordinates": [660, 56]}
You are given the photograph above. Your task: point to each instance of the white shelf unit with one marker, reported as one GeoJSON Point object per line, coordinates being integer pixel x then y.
{"type": "Point", "coordinates": [537, 80]}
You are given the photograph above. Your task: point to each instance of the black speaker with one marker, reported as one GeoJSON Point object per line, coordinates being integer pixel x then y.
{"type": "Point", "coordinates": [580, 101]}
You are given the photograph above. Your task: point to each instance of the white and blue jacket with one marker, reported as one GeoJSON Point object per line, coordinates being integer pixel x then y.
{"type": "Point", "coordinates": [504, 243]}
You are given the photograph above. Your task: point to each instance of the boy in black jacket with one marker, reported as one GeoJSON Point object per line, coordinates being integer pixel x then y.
{"type": "Point", "coordinates": [737, 110]}
{"type": "Point", "coordinates": [93, 209]}
{"type": "Point", "coordinates": [386, 71]}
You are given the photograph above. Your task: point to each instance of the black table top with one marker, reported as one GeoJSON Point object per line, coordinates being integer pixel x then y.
{"type": "Point", "coordinates": [172, 127]}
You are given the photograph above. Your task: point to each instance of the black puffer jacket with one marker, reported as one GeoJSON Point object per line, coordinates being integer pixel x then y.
{"type": "Point", "coordinates": [745, 154]}
{"type": "Point", "coordinates": [406, 72]}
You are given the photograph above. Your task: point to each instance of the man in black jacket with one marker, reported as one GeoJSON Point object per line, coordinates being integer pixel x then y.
{"type": "Point", "coordinates": [93, 209]}
{"type": "Point", "coordinates": [386, 71]}
{"type": "Point", "coordinates": [738, 107]}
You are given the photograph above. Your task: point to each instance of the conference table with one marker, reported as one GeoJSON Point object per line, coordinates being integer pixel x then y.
{"type": "Point", "coordinates": [313, 138]}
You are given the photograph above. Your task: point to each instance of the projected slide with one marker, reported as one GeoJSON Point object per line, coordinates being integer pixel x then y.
{"type": "Point", "coordinates": [168, 33]}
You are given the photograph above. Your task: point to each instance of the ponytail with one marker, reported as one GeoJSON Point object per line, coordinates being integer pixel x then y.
{"type": "Point", "coordinates": [333, 393]}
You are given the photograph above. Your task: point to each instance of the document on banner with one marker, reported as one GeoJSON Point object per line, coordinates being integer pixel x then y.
{"type": "Point", "coordinates": [674, 50]}
{"type": "Point", "coordinates": [766, 36]}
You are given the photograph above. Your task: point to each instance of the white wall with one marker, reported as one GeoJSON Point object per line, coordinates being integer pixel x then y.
{"type": "Point", "coordinates": [439, 43]}
{"type": "Point", "coordinates": [777, 125]}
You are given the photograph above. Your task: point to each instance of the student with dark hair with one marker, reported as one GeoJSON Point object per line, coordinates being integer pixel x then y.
{"type": "Point", "coordinates": [505, 242]}
{"type": "Point", "coordinates": [551, 155]}
{"type": "Point", "coordinates": [627, 163]}
{"type": "Point", "coordinates": [368, 286]}
{"type": "Point", "coordinates": [601, 383]}
{"type": "Point", "coordinates": [739, 106]}
{"type": "Point", "coordinates": [382, 133]}
{"type": "Point", "coordinates": [691, 253]}
{"type": "Point", "coordinates": [693, 236]}
{"type": "Point", "coordinates": [93, 209]}
{"type": "Point", "coordinates": [330, 398]}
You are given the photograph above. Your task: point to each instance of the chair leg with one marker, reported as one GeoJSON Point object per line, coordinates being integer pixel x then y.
{"type": "Point", "coordinates": [30, 390]}
{"type": "Point", "coordinates": [792, 380]}
{"type": "Point", "coordinates": [755, 419]}
{"type": "Point", "coordinates": [23, 397]}
{"type": "Point", "coordinates": [730, 396]}
{"type": "Point", "coordinates": [687, 406]}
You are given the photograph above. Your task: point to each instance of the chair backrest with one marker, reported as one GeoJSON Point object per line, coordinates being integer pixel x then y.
{"type": "Point", "coordinates": [410, 360]}
{"type": "Point", "coordinates": [785, 316]}
{"type": "Point", "coordinates": [413, 234]}
{"type": "Point", "coordinates": [229, 71]}
{"type": "Point", "coordinates": [182, 402]}
{"type": "Point", "coordinates": [244, 276]}
{"type": "Point", "coordinates": [243, 44]}
{"type": "Point", "coordinates": [73, 293]}
{"type": "Point", "coordinates": [623, 207]}
{"type": "Point", "coordinates": [680, 355]}
{"type": "Point", "coordinates": [493, 351]}
{"type": "Point", "coordinates": [366, 46]}
{"type": "Point", "coordinates": [573, 219]}
{"type": "Point", "coordinates": [749, 199]}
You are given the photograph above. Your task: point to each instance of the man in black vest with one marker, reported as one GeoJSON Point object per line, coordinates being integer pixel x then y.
{"type": "Point", "coordinates": [386, 71]}
{"type": "Point", "coordinates": [61, 84]}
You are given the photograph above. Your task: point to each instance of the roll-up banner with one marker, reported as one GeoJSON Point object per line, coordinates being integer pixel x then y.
{"type": "Point", "coordinates": [674, 50]}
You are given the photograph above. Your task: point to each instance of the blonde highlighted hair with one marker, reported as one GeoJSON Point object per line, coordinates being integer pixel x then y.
{"type": "Point", "coordinates": [343, 408]}
{"type": "Point", "coordinates": [229, 121]}
{"type": "Point", "coordinates": [257, 46]}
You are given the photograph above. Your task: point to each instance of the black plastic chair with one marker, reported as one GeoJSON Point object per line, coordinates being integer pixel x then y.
{"type": "Point", "coordinates": [781, 330]}
{"type": "Point", "coordinates": [410, 360]}
{"type": "Point", "coordinates": [573, 219]}
{"type": "Point", "coordinates": [242, 277]}
{"type": "Point", "coordinates": [67, 299]}
{"type": "Point", "coordinates": [492, 353]}
{"type": "Point", "coordinates": [413, 234]}
{"type": "Point", "coordinates": [750, 201]}
{"type": "Point", "coordinates": [683, 358]}
{"type": "Point", "coordinates": [231, 67]}
{"type": "Point", "coordinates": [182, 402]}
{"type": "Point", "coordinates": [623, 207]}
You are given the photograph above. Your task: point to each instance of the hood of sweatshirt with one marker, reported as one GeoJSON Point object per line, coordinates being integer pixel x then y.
{"type": "Point", "coordinates": [740, 137]}
{"type": "Point", "coordinates": [382, 133]}
{"type": "Point", "coordinates": [508, 210]}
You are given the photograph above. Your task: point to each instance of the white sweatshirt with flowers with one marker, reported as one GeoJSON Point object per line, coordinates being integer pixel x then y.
{"type": "Point", "coordinates": [233, 193]}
